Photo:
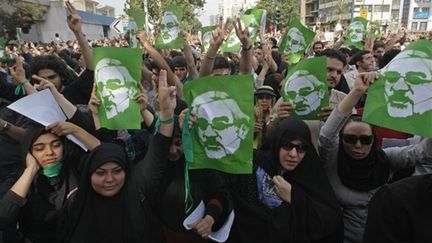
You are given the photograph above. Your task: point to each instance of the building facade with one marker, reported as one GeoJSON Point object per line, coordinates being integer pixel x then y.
{"type": "Point", "coordinates": [54, 22]}
{"type": "Point", "coordinates": [416, 15]}
{"type": "Point", "coordinates": [311, 17]}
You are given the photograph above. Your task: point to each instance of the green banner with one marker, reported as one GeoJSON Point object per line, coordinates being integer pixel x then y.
{"type": "Point", "coordinates": [206, 33]}
{"type": "Point", "coordinates": [170, 36]}
{"type": "Point", "coordinates": [402, 97]}
{"type": "Point", "coordinates": [306, 88]}
{"type": "Point", "coordinates": [260, 16]}
{"type": "Point", "coordinates": [233, 44]}
{"type": "Point", "coordinates": [117, 76]}
{"type": "Point", "coordinates": [356, 32]}
{"type": "Point", "coordinates": [222, 135]}
{"type": "Point", "coordinates": [296, 41]}
{"type": "Point", "coordinates": [138, 16]}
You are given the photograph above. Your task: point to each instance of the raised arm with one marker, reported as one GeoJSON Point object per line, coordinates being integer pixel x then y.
{"type": "Point", "coordinates": [246, 57]}
{"type": "Point", "coordinates": [75, 24]}
{"type": "Point", "coordinates": [149, 172]}
{"type": "Point", "coordinates": [63, 128]}
{"type": "Point", "coordinates": [190, 62]}
{"type": "Point", "coordinates": [14, 199]}
{"type": "Point", "coordinates": [216, 39]}
{"type": "Point", "coordinates": [160, 62]}
{"type": "Point", "coordinates": [68, 108]}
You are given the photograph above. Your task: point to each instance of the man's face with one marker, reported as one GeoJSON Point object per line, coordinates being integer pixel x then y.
{"type": "Point", "coordinates": [304, 93]}
{"type": "Point", "coordinates": [334, 72]}
{"type": "Point", "coordinates": [296, 41]}
{"type": "Point", "coordinates": [217, 129]}
{"type": "Point", "coordinates": [176, 150]}
{"type": "Point", "coordinates": [259, 55]}
{"type": "Point", "coordinates": [379, 51]}
{"type": "Point", "coordinates": [368, 62]}
{"type": "Point", "coordinates": [408, 86]}
{"type": "Point", "coordinates": [318, 48]}
{"type": "Point", "coordinates": [181, 72]}
{"type": "Point", "coordinates": [116, 85]}
{"type": "Point", "coordinates": [356, 30]}
{"type": "Point", "coordinates": [169, 28]}
{"type": "Point", "coordinates": [51, 76]}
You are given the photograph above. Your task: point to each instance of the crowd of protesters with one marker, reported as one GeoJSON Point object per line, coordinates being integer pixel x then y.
{"type": "Point", "coordinates": [328, 180]}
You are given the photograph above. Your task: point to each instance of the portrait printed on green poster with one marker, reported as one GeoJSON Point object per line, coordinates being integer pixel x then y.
{"type": "Point", "coordinates": [117, 83]}
{"type": "Point", "coordinates": [223, 131]}
{"type": "Point", "coordinates": [306, 88]}
{"type": "Point", "coordinates": [296, 41]}
{"type": "Point", "coordinates": [170, 31]}
{"type": "Point", "coordinates": [356, 32]}
{"type": "Point", "coordinates": [401, 98]}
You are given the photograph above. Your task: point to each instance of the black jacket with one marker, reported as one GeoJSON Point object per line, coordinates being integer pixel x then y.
{"type": "Point", "coordinates": [401, 212]}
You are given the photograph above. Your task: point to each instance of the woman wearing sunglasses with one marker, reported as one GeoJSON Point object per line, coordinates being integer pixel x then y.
{"type": "Point", "coordinates": [288, 197]}
{"type": "Point", "coordinates": [355, 165]}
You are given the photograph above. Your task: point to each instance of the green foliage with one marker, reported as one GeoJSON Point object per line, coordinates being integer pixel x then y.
{"type": "Point", "coordinates": [289, 10]}
{"type": "Point", "coordinates": [24, 16]}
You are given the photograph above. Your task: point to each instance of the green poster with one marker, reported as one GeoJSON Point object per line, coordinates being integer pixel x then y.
{"type": "Point", "coordinates": [233, 44]}
{"type": "Point", "coordinates": [222, 135]}
{"type": "Point", "coordinates": [306, 88]}
{"type": "Point", "coordinates": [260, 16]}
{"type": "Point", "coordinates": [117, 76]}
{"type": "Point", "coordinates": [138, 16]}
{"type": "Point", "coordinates": [356, 32]}
{"type": "Point", "coordinates": [19, 34]}
{"type": "Point", "coordinates": [206, 33]}
{"type": "Point", "coordinates": [170, 36]}
{"type": "Point", "coordinates": [296, 41]}
{"type": "Point", "coordinates": [401, 99]}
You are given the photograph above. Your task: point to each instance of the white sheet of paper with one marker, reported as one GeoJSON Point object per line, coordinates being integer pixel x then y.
{"type": "Point", "coordinates": [42, 108]}
{"type": "Point", "coordinates": [222, 234]}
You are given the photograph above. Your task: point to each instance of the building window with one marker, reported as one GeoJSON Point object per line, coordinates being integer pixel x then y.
{"type": "Point", "coordinates": [414, 25]}
{"type": "Point", "coordinates": [423, 26]}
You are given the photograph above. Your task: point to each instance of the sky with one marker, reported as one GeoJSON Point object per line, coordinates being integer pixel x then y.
{"type": "Point", "coordinates": [210, 8]}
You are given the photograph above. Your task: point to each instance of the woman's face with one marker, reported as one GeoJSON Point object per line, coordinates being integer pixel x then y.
{"type": "Point", "coordinates": [108, 179]}
{"type": "Point", "coordinates": [47, 149]}
{"type": "Point", "coordinates": [292, 154]}
{"type": "Point", "coordinates": [357, 139]}
{"type": "Point", "coordinates": [264, 101]}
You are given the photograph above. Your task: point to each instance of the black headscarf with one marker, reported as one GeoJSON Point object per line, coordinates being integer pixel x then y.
{"type": "Point", "coordinates": [365, 174]}
{"type": "Point", "coordinates": [314, 213]}
{"type": "Point", "coordinates": [95, 218]}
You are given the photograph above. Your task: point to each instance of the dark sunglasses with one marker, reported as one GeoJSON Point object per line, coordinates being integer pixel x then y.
{"type": "Point", "coordinates": [352, 139]}
{"type": "Point", "coordinates": [338, 71]}
{"type": "Point", "coordinates": [300, 148]}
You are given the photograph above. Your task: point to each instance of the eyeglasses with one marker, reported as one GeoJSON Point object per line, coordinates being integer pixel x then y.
{"type": "Point", "coordinates": [338, 71]}
{"type": "Point", "coordinates": [352, 139]}
{"type": "Point", "coordinates": [300, 148]}
{"type": "Point", "coordinates": [410, 77]}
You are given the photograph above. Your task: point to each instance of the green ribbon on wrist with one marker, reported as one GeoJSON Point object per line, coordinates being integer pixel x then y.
{"type": "Point", "coordinates": [159, 122]}
{"type": "Point", "coordinates": [20, 88]}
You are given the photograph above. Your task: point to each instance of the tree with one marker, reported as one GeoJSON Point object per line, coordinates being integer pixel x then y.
{"type": "Point", "coordinates": [24, 16]}
{"type": "Point", "coordinates": [156, 9]}
{"type": "Point", "coordinates": [289, 9]}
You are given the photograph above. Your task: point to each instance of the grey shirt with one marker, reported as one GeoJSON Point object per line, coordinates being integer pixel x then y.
{"type": "Point", "coordinates": [354, 203]}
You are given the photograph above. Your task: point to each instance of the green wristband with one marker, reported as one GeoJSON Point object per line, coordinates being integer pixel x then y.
{"type": "Point", "coordinates": [167, 121]}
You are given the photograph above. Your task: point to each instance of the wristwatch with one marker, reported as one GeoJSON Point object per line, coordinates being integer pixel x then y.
{"type": "Point", "coordinates": [6, 126]}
